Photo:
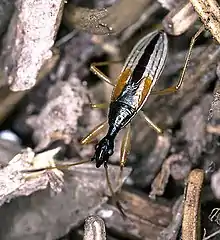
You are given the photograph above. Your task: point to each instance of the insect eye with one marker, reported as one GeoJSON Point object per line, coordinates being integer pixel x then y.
{"type": "Point", "coordinates": [96, 146]}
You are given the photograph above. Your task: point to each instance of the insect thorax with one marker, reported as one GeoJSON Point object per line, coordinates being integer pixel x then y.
{"type": "Point", "coordinates": [120, 114]}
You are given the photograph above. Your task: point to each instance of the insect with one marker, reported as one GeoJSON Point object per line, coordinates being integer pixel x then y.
{"type": "Point", "coordinates": [135, 83]}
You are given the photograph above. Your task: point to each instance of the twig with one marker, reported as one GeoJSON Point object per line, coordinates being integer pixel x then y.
{"type": "Point", "coordinates": [29, 40]}
{"type": "Point", "coordinates": [171, 232]}
{"type": "Point", "coordinates": [213, 125]}
{"type": "Point", "coordinates": [191, 213]}
{"type": "Point", "coordinates": [209, 12]}
{"type": "Point", "coordinates": [145, 172]}
{"type": "Point", "coordinates": [145, 218]}
{"type": "Point", "coordinates": [66, 38]}
{"type": "Point", "coordinates": [13, 182]}
{"type": "Point", "coordinates": [94, 228]}
{"type": "Point", "coordinates": [161, 180]}
{"type": "Point", "coordinates": [180, 19]}
{"type": "Point", "coordinates": [75, 59]}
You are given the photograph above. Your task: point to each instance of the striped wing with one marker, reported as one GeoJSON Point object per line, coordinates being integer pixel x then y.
{"type": "Point", "coordinates": [142, 68]}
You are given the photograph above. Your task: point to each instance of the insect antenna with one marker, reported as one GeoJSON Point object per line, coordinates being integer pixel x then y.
{"type": "Point", "coordinates": [58, 166]}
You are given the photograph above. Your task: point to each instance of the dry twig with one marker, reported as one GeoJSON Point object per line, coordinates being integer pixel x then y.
{"type": "Point", "coordinates": [209, 12]}
{"type": "Point", "coordinates": [171, 232]}
{"type": "Point", "coordinates": [180, 19]}
{"type": "Point", "coordinates": [29, 40]}
{"type": "Point", "coordinates": [213, 125]}
{"type": "Point", "coordinates": [146, 171]}
{"type": "Point", "coordinates": [94, 228]}
{"type": "Point", "coordinates": [191, 213]}
{"type": "Point", "coordinates": [145, 218]}
{"type": "Point", "coordinates": [12, 180]}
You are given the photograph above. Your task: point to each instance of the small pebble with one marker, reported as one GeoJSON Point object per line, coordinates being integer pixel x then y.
{"type": "Point", "coordinates": [10, 136]}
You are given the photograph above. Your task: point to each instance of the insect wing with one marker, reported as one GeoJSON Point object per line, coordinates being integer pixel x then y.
{"type": "Point", "coordinates": [121, 83]}
{"type": "Point", "coordinates": [149, 64]}
{"type": "Point", "coordinates": [129, 65]}
{"type": "Point", "coordinates": [143, 67]}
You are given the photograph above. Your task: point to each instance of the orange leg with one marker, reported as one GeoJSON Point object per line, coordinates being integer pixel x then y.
{"type": "Point", "coordinates": [60, 166]}
{"type": "Point", "coordinates": [150, 123]}
{"type": "Point", "coordinates": [125, 146]}
{"type": "Point", "coordinates": [125, 150]}
{"type": "Point", "coordinates": [99, 73]}
{"type": "Point", "coordinates": [99, 105]}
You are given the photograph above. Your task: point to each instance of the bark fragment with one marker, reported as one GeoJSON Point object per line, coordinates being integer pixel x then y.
{"type": "Point", "coordinates": [28, 42]}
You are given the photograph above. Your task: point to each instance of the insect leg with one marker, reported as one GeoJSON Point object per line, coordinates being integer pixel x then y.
{"type": "Point", "coordinates": [125, 149]}
{"type": "Point", "coordinates": [99, 105]}
{"type": "Point", "coordinates": [103, 77]}
{"type": "Point", "coordinates": [125, 146]}
{"type": "Point", "coordinates": [181, 79]}
{"type": "Point", "coordinates": [99, 73]}
{"type": "Point", "coordinates": [115, 200]}
{"type": "Point", "coordinates": [150, 123]}
{"type": "Point", "coordinates": [60, 166]}
{"type": "Point", "coordinates": [95, 132]}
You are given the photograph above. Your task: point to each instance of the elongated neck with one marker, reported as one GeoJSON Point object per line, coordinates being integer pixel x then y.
{"type": "Point", "coordinates": [112, 132]}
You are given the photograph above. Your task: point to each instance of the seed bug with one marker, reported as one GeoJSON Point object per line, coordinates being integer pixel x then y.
{"type": "Point", "coordinates": [135, 83]}
{"type": "Point", "coordinates": [138, 76]}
